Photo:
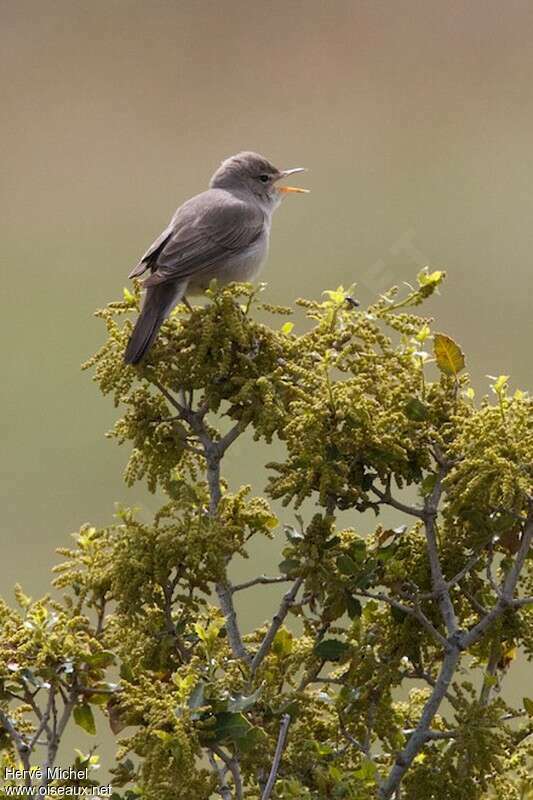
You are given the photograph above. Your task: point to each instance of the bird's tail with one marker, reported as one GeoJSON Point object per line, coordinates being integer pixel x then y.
{"type": "Point", "coordinates": [158, 303]}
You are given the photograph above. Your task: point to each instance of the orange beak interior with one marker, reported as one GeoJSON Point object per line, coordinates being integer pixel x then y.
{"type": "Point", "coordinates": [287, 189]}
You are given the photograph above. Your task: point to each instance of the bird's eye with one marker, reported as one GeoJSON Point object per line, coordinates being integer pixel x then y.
{"type": "Point", "coordinates": [264, 178]}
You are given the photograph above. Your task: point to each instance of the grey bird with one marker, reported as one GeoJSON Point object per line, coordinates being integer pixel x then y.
{"type": "Point", "coordinates": [222, 233]}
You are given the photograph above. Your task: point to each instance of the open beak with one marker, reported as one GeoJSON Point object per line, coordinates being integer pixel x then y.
{"type": "Point", "coordinates": [287, 189]}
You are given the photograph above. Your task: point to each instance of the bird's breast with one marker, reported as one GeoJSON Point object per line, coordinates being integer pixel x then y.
{"type": "Point", "coordinates": [237, 267]}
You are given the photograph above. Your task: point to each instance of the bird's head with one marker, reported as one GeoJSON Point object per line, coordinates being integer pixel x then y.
{"type": "Point", "coordinates": [253, 173]}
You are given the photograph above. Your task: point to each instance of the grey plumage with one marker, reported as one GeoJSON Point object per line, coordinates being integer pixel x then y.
{"type": "Point", "coordinates": [222, 233]}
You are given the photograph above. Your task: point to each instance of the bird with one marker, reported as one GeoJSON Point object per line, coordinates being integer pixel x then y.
{"type": "Point", "coordinates": [221, 233]}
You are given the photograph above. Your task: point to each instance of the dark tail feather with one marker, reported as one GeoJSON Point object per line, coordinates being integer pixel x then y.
{"type": "Point", "coordinates": [158, 303]}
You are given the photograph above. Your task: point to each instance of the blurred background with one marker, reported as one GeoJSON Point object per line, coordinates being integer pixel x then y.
{"type": "Point", "coordinates": [414, 118]}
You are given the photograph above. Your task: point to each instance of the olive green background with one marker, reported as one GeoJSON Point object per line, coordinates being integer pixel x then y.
{"type": "Point", "coordinates": [414, 119]}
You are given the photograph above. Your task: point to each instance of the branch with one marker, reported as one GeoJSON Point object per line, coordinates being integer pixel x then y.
{"type": "Point", "coordinates": [470, 564]}
{"type": "Point", "coordinates": [58, 728]}
{"type": "Point", "coordinates": [422, 675]}
{"type": "Point", "coordinates": [456, 643]}
{"type": "Point", "coordinates": [20, 743]}
{"type": "Point", "coordinates": [490, 577]}
{"type": "Point", "coordinates": [440, 586]}
{"type": "Point", "coordinates": [224, 790]}
{"type": "Point", "coordinates": [277, 621]}
{"type": "Point", "coordinates": [224, 592]}
{"type": "Point", "coordinates": [42, 717]}
{"type": "Point", "coordinates": [420, 734]}
{"type": "Point", "coordinates": [232, 434]}
{"type": "Point", "coordinates": [213, 452]}
{"type": "Point", "coordinates": [387, 498]}
{"type": "Point", "coordinates": [284, 729]}
{"type": "Point", "coordinates": [434, 736]}
{"type": "Point", "coordinates": [491, 670]}
{"type": "Point", "coordinates": [262, 579]}
{"type": "Point", "coordinates": [520, 602]}
{"type": "Point", "coordinates": [505, 599]}
{"type": "Point", "coordinates": [233, 766]}
{"type": "Point", "coordinates": [416, 612]}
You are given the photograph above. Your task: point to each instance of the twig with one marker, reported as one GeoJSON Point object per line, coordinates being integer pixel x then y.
{"type": "Point", "coordinates": [470, 564]}
{"type": "Point", "coordinates": [490, 673]}
{"type": "Point", "coordinates": [440, 586]}
{"type": "Point", "coordinates": [475, 603]}
{"type": "Point", "coordinates": [58, 727]}
{"type": "Point", "coordinates": [42, 717]}
{"type": "Point", "coordinates": [262, 579]}
{"type": "Point", "coordinates": [494, 586]}
{"type": "Point", "coordinates": [520, 602]}
{"type": "Point", "coordinates": [276, 624]}
{"type": "Point", "coordinates": [416, 612]}
{"type": "Point", "coordinates": [283, 730]}
{"type": "Point", "coordinates": [224, 594]}
{"type": "Point", "coordinates": [434, 736]}
{"type": "Point", "coordinates": [505, 601]}
{"type": "Point", "coordinates": [387, 498]}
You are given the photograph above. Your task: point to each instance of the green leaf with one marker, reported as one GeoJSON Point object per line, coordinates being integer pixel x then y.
{"type": "Point", "coordinates": [83, 716]}
{"type": "Point", "coordinates": [358, 550]}
{"type": "Point", "coordinates": [230, 727]}
{"type": "Point", "coordinates": [288, 566]}
{"type": "Point", "coordinates": [500, 383]}
{"type": "Point", "coordinates": [242, 702]}
{"type": "Point", "coordinates": [353, 607]}
{"type": "Point", "coordinates": [287, 328]}
{"type": "Point", "coordinates": [282, 644]}
{"type": "Point", "coordinates": [385, 554]}
{"type": "Point", "coordinates": [337, 296]}
{"type": "Point", "coordinates": [252, 740]}
{"type": "Point", "coordinates": [428, 484]}
{"type": "Point", "coordinates": [346, 565]}
{"type": "Point", "coordinates": [426, 278]}
{"type": "Point", "coordinates": [528, 705]}
{"type": "Point", "coordinates": [334, 608]}
{"type": "Point", "coordinates": [103, 658]}
{"type": "Point", "coordinates": [196, 700]}
{"type": "Point", "coordinates": [423, 333]}
{"type": "Point", "coordinates": [450, 358]}
{"type": "Point", "coordinates": [171, 742]}
{"type": "Point", "coordinates": [331, 649]}
{"type": "Point", "coordinates": [398, 615]}
{"type": "Point", "coordinates": [367, 771]}
{"type": "Point", "coordinates": [126, 672]}
{"type": "Point", "coordinates": [416, 410]}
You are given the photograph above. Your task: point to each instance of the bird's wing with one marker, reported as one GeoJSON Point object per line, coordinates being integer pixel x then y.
{"type": "Point", "coordinates": [205, 231]}
{"type": "Point", "coordinates": [152, 252]}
